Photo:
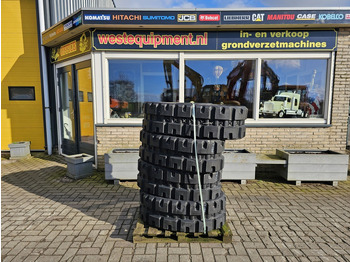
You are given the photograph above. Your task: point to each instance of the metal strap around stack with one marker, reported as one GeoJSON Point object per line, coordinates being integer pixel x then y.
{"type": "Point", "coordinates": [197, 165]}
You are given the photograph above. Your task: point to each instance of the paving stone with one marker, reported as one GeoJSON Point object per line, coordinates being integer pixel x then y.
{"type": "Point", "coordinates": [62, 249]}
{"type": "Point", "coordinates": [254, 255]}
{"type": "Point", "coordinates": [220, 258]}
{"type": "Point", "coordinates": [178, 251]}
{"type": "Point", "coordinates": [96, 258]}
{"type": "Point", "coordinates": [195, 248]}
{"type": "Point", "coordinates": [269, 252]}
{"type": "Point", "coordinates": [238, 258]}
{"type": "Point", "coordinates": [151, 248]}
{"type": "Point", "coordinates": [31, 258]}
{"type": "Point", "coordinates": [140, 251]}
{"type": "Point", "coordinates": [219, 251]}
{"type": "Point", "coordinates": [161, 257]}
{"type": "Point", "coordinates": [144, 258]}
{"type": "Point", "coordinates": [162, 251]}
{"type": "Point", "coordinates": [86, 244]}
{"type": "Point", "coordinates": [8, 258]}
{"type": "Point", "coordinates": [115, 255]}
{"type": "Point", "coordinates": [23, 254]}
{"type": "Point", "coordinates": [196, 258]}
{"type": "Point", "coordinates": [185, 258]}
{"type": "Point", "coordinates": [88, 251]}
{"type": "Point", "coordinates": [314, 259]}
{"type": "Point", "coordinates": [127, 251]}
{"type": "Point", "coordinates": [232, 251]}
{"type": "Point", "coordinates": [49, 258]}
{"type": "Point", "coordinates": [126, 258]}
{"type": "Point", "coordinates": [331, 259]}
{"type": "Point", "coordinates": [240, 250]}
{"type": "Point", "coordinates": [208, 254]}
{"type": "Point", "coordinates": [70, 254]}
{"type": "Point", "coordinates": [174, 258]}
{"type": "Point", "coordinates": [268, 258]}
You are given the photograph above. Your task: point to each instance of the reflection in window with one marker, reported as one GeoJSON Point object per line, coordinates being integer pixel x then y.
{"type": "Point", "coordinates": [220, 81]}
{"type": "Point", "coordinates": [89, 95]}
{"type": "Point", "coordinates": [133, 82]}
{"type": "Point", "coordinates": [81, 96]}
{"type": "Point", "coordinates": [293, 88]}
{"type": "Point", "coordinates": [68, 123]}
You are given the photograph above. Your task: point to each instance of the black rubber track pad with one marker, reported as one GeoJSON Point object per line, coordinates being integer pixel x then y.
{"type": "Point", "coordinates": [155, 174]}
{"type": "Point", "coordinates": [178, 193]}
{"type": "Point", "coordinates": [177, 224]}
{"type": "Point", "coordinates": [182, 207]}
{"type": "Point", "coordinates": [202, 110]}
{"type": "Point", "coordinates": [207, 165]}
{"type": "Point", "coordinates": [187, 130]}
{"type": "Point", "coordinates": [181, 144]}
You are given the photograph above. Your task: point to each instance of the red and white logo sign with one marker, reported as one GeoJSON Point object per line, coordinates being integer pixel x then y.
{"type": "Point", "coordinates": [209, 17]}
{"type": "Point", "coordinates": [347, 16]}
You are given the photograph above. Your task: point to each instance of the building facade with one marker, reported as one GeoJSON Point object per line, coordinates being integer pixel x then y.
{"type": "Point", "coordinates": [293, 80]}
{"type": "Point", "coordinates": [288, 67]}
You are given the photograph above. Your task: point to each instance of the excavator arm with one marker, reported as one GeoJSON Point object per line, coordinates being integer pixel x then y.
{"type": "Point", "coordinates": [267, 72]}
{"type": "Point", "coordinates": [242, 71]}
{"type": "Point", "coordinates": [196, 78]}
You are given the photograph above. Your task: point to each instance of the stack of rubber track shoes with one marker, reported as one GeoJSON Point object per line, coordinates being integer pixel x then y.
{"type": "Point", "coordinates": [169, 189]}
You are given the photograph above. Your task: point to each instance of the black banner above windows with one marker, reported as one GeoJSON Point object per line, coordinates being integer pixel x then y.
{"type": "Point", "coordinates": [243, 40]}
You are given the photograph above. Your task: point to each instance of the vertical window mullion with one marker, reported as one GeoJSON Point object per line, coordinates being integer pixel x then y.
{"type": "Point", "coordinates": [257, 77]}
{"type": "Point", "coordinates": [105, 87]}
{"type": "Point", "coordinates": [329, 88]}
{"type": "Point", "coordinates": [181, 77]}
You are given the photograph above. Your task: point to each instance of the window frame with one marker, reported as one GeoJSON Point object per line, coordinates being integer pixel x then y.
{"type": "Point", "coordinates": [130, 56]}
{"type": "Point", "coordinates": [11, 89]}
{"type": "Point", "coordinates": [328, 90]}
{"type": "Point", "coordinates": [257, 56]}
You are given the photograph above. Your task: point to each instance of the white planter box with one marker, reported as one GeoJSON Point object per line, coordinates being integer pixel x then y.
{"type": "Point", "coordinates": [19, 150]}
{"type": "Point", "coordinates": [79, 166]}
{"type": "Point", "coordinates": [239, 164]}
{"type": "Point", "coordinates": [121, 164]}
{"type": "Point", "coordinates": [314, 165]}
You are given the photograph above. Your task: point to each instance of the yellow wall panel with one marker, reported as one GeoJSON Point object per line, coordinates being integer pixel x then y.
{"type": "Point", "coordinates": [20, 120]}
{"type": "Point", "coordinates": [26, 75]}
{"type": "Point", "coordinates": [10, 44]}
{"type": "Point", "coordinates": [10, 17]}
{"type": "Point", "coordinates": [36, 141]}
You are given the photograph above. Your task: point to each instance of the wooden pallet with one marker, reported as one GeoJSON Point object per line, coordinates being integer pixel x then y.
{"type": "Point", "coordinates": [146, 234]}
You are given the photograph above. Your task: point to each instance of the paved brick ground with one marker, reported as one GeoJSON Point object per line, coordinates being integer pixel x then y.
{"type": "Point", "coordinates": [47, 217]}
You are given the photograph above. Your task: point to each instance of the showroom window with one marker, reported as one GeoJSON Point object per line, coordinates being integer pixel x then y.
{"type": "Point", "coordinates": [293, 88]}
{"type": "Point", "coordinates": [133, 82]}
{"type": "Point", "coordinates": [277, 88]}
{"type": "Point", "coordinates": [220, 81]}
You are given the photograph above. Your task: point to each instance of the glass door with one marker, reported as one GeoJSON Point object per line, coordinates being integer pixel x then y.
{"type": "Point", "coordinates": [68, 111]}
{"type": "Point", "coordinates": [76, 107]}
